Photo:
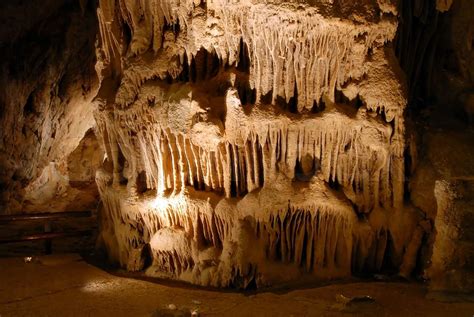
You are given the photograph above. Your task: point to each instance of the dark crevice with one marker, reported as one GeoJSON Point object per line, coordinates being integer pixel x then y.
{"type": "Point", "coordinates": [306, 168]}
{"type": "Point", "coordinates": [204, 65]}
{"type": "Point", "coordinates": [408, 168]}
{"type": "Point", "coordinates": [293, 102]}
{"type": "Point", "coordinates": [247, 95]}
{"type": "Point", "coordinates": [416, 46]}
{"type": "Point", "coordinates": [29, 107]}
{"type": "Point", "coordinates": [334, 184]}
{"type": "Point", "coordinates": [127, 33]}
{"type": "Point", "coordinates": [184, 76]}
{"type": "Point", "coordinates": [244, 58]}
{"type": "Point", "coordinates": [233, 181]}
{"type": "Point", "coordinates": [141, 182]}
{"type": "Point", "coordinates": [319, 106]}
{"type": "Point", "coordinates": [261, 171]}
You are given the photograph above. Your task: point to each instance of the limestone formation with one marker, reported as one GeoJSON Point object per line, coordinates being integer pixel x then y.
{"type": "Point", "coordinates": [252, 143]}
{"type": "Point", "coordinates": [246, 143]}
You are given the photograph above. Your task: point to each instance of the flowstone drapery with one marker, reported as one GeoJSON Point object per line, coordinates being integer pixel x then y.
{"type": "Point", "coordinates": [250, 143]}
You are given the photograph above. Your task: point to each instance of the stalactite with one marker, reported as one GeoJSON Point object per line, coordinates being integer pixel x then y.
{"type": "Point", "coordinates": [296, 50]}
{"type": "Point", "coordinates": [335, 144]}
{"type": "Point", "coordinates": [224, 170]}
{"type": "Point", "coordinates": [312, 238]}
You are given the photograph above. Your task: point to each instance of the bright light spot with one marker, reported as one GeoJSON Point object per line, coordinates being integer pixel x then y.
{"type": "Point", "coordinates": [162, 204]}
{"type": "Point", "coordinates": [98, 286]}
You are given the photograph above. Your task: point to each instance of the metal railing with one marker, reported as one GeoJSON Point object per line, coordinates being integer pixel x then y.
{"type": "Point", "coordinates": [47, 233]}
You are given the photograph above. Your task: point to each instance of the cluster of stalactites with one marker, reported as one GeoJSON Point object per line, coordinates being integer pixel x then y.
{"type": "Point", "coordinates": [145, 20]}
{"type": "Point", "coordinates": [292, 53]}
{"type": "Point", "coordinates": [179, 232]}
{"type": "Point", "coordinates": [338, 149]}
{"type": "Point", "coordinates": [308, 59]}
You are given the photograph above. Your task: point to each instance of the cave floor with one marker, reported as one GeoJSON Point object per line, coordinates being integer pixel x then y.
{"type": "Point", "coordinates": [66, 285]}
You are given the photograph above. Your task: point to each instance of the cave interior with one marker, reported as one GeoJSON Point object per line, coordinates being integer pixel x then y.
{"type": "Point", "coordinates": [238, 145]}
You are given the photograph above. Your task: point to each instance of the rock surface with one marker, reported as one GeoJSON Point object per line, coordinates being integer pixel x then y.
{"type": "Point", "coordinates": [247, 143]}
{"type": "Point", "coordinates": [252, 143]}
{"type": "Point", "coordinates": [48, 82]}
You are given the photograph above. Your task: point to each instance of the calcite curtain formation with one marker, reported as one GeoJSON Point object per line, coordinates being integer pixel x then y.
{"type": "Point", "coordinates": [252, 142]}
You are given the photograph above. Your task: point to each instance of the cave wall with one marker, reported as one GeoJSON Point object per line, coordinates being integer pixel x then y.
{"type": "Point", "coordinates": [48, 81]}
{"type": "Point", "coordinates": [440, 64]}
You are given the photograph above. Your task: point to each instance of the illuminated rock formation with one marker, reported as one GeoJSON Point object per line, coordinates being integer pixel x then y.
{"type": "Point", "coordinates": [252, 143]}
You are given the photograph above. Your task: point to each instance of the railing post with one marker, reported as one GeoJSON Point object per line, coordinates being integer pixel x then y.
{"type": "Point", "coordinates": [47, 242]}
